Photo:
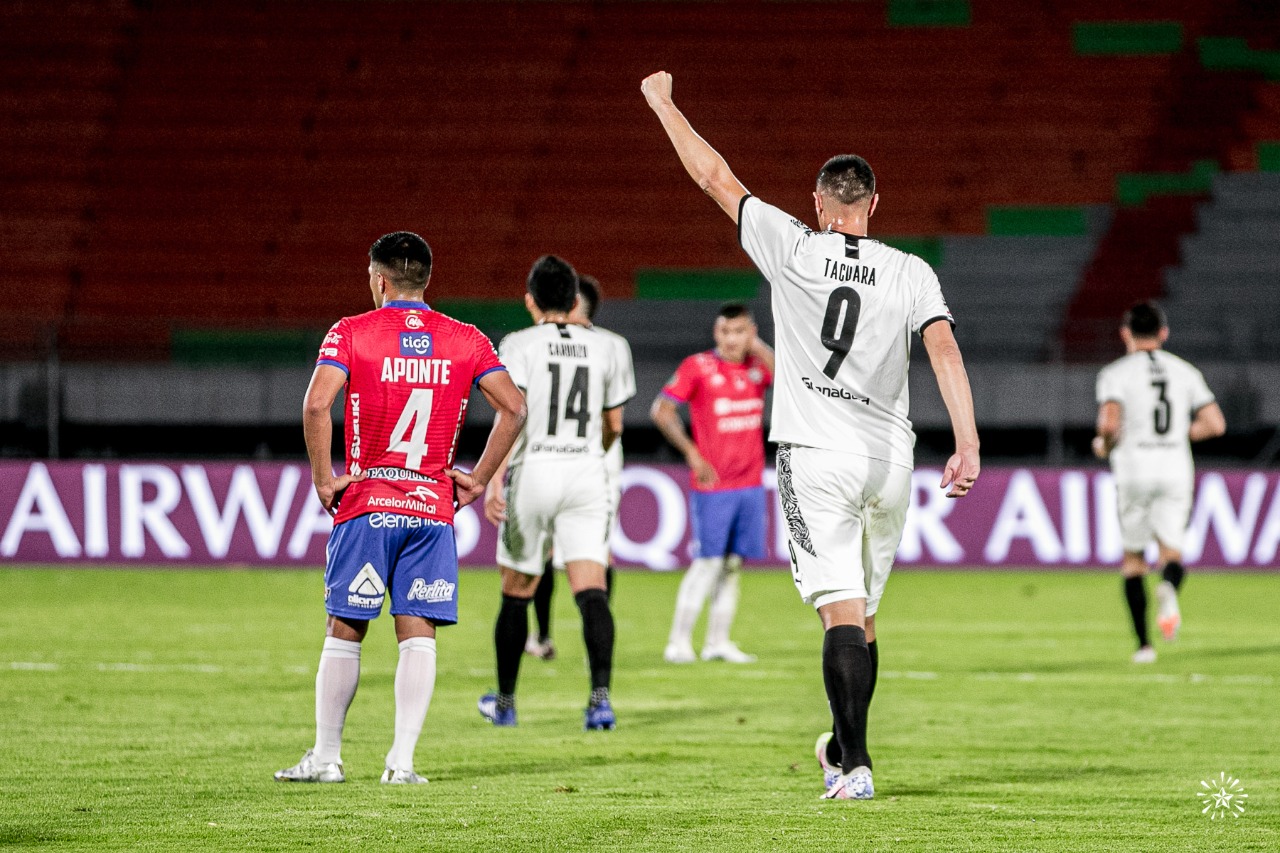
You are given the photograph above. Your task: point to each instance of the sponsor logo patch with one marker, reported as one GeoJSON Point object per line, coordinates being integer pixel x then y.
{"type": "Point", "coordinates": [416, 344]}
{"type": "Point", "coordinates": [413, 321]}
{"type": "Point", "coordinates": [366, 589]}
{"type": "Point", "coordinates": [437, 591]}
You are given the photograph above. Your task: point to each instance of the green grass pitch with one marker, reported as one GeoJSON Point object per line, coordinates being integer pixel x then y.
{"type": "Point", "coordinates": [148, 710]}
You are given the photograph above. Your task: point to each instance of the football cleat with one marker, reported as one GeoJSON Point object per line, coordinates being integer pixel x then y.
{"type": "Point", "coordinates": [488, 707]}
{"type": "Point", "coordinates": [1146, 654]}
{"type": "Point", "coordinates": [402, 777]}
{"type": "Point", "coordinates": [854, 785]}
{"type": "Point", "coordinates": [728, 652]}
{"type": "Point", "coordinates": [830, 772]}
{"type": "Point", "coordinates": [677, 653]}
{"type": "Point", "coordinates": [541, 650]}
{"type": "Point", "coordinates": [1170, 618]}
{"type": "Point", "coordinates": [600, 718]}
{"type": "Point", "coordinates": [309, 770]}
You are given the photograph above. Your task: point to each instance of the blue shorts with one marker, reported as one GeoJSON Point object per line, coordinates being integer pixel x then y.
{"type": "Point", "coordinates": [416, 558]}
{"type": "Point", "coordinates": [728, 522]}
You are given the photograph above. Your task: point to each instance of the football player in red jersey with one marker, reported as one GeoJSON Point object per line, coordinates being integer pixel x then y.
{"type": "Point", "coordinates": [724, 389]}
{"type": "Point", "coordinates": [408, 371]}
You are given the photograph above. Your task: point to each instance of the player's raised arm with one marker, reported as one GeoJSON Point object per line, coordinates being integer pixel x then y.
{"type": "Point", "coordinates": [703, 163]}
{"type": "Point", "coordinates": [317, 429]}
{"type": "Point", "coordinates": [953, 382]}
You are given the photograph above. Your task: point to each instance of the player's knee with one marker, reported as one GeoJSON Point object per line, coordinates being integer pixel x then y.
{"type": "Point", "coordinates": [589, 599]}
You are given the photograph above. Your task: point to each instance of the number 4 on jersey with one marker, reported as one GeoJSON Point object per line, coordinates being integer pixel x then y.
{"type": "Point", "coordinates": [417, 411]}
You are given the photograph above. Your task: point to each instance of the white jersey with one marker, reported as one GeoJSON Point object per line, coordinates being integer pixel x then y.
{"type": "Point", "coordinates": [569, 375]}
{"type": "Point", "coordinates": [1158, 394]}
{"type": "Point", "coordinates": [844, 308]}
{"type": "Point", "coordinates": [626, 376]}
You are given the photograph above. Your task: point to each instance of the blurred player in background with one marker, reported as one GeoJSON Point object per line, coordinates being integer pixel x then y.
{"type": "Point", "coordinates": [724, 389]}
{"type": "Point", "coordinates": [1151, 406]}
{"type": "Point", "coordinates": [557, 483]}
{"type": "Point", "coordinates": [540, 644]}
{"type": "Point", "coordinates": [408, 372]}
{"type": "Point", "coordinates": [844, 309]}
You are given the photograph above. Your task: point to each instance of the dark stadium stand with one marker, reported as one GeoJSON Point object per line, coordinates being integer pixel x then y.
{"type": "Point", "coordinates": [223, 166]}
{"type": "Point", "coordinates": [1224, 296]}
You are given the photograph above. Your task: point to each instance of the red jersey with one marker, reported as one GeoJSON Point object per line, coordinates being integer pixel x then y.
{"type": "Point", "coordinates": [409, 376]}
{"type": "Point", "coordinates": [726, 410]}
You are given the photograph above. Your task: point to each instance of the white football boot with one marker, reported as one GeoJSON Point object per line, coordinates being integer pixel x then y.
{"type": "Point", "coordinates": [854, 785]}
{"type": "Point", "coordinates": [308, 770]}
{"type": "Point", "coordinates": [402, 777]}
{"type": "Point", "coordinates": [1169, 618]}
{"type": "Point", "coordinates": [1146, 654]}
{"type": "Point", "coordinates": [830, 772]}
{"type": "Point", "coordinates": [679, 653]}
{"type": "Point", "coordinates": [728, 652]}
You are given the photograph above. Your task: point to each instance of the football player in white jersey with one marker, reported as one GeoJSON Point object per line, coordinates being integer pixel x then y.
{"type": "Point", "coordinates": [557, 482]}
{"type": "Point", "coordinates": [1151, 406]}
{"type": "Point", "coordinates": [540, 644]}
{"type": "Point", "coordinates": [844, 309]}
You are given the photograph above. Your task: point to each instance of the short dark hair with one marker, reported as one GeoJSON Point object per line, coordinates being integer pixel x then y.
{"type": "Point", "coordinates": [848, 179]}
{"type": "Point", "coordinates": [589, 290]}
{"type": "Point", "coordinates": [553, 284]}
{"type": "Point", "coordinates": [1145, 320]}
{"type": "Point", "coordinates": [403, 258]}
{"type": "Point", "coordinates": [734, 310]}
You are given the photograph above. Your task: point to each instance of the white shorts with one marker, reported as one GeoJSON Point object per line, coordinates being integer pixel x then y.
{"type": "Point", "coordinates": [1153, 509]}
{"type": "Point", "coordinates": [613, 465]}
{"type": "Point", "coordinates": [564, 499]}
{"type": "Point", "coordinates": [844, 515]}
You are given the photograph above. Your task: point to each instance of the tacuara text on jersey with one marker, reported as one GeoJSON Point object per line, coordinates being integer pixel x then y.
{"type": "Point", "coordinates": [856, 273]}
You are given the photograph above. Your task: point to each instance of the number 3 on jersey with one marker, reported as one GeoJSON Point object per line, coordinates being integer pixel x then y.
{"type": "Point", "coordinates": [417, 412]}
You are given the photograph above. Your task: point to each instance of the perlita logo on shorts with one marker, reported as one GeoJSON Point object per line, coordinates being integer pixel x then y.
{"type": "Point", "coordinates": [438, 590]}
{"type": "Point", "coordinates": [366, 589]}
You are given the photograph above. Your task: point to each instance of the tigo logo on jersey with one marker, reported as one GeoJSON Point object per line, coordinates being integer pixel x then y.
{"type": "Point", "coordinates": [367, 589]}
{"type": "Point", "coordinates": [417, 344]}
{"type": "Point", "coordinates": [438, 590]}
{"type": "Point", "coordinates": [413, 321]}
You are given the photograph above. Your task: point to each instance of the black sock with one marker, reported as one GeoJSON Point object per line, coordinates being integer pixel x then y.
{"type": "Point", "coordinates": [608, 581]}
{"type": "Point", "coordinates": [1174, 573]}
{"type": "Point", "coordinates": [875, 668]}
{"type": "Point", "coordinates": [846, 670]}
{"type": "Point", "coordinates": [597, 633]}
{"type": "Point", "coordinates": [542, 601]}
{"type": "Point", "coordinates": [1135, 592]}
{"type": "Point", "coordinates": [509, 635]}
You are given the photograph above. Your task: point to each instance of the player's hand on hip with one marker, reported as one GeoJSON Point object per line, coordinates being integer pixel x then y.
{"type": "Point", "coordinates": [703, 473]}
{"type": "Point", "coordinates": [657, 89]}
{"type": "Point", "coordinates": [330, 493]}
{"type": "Point", "coordinates": [961, 473]}
{"type": "Point", "coordinates": [465, 488]}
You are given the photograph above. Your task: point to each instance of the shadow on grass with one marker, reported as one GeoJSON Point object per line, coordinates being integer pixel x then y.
{"type": "Point", "coordinates": [962, 784]}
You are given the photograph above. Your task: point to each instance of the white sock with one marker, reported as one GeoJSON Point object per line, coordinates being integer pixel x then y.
{"type": "Point", "coordinates": [694, 589]}
{"type": "Point", "coordinates": [724, 604]}
{"type": "Point", "coordinates": [415, 681]}
{"type": "Point", "coordinates": [336, 681]}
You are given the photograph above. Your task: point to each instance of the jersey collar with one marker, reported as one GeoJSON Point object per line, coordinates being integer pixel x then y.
{"type": "Point", "coordinates": [406, 303]}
